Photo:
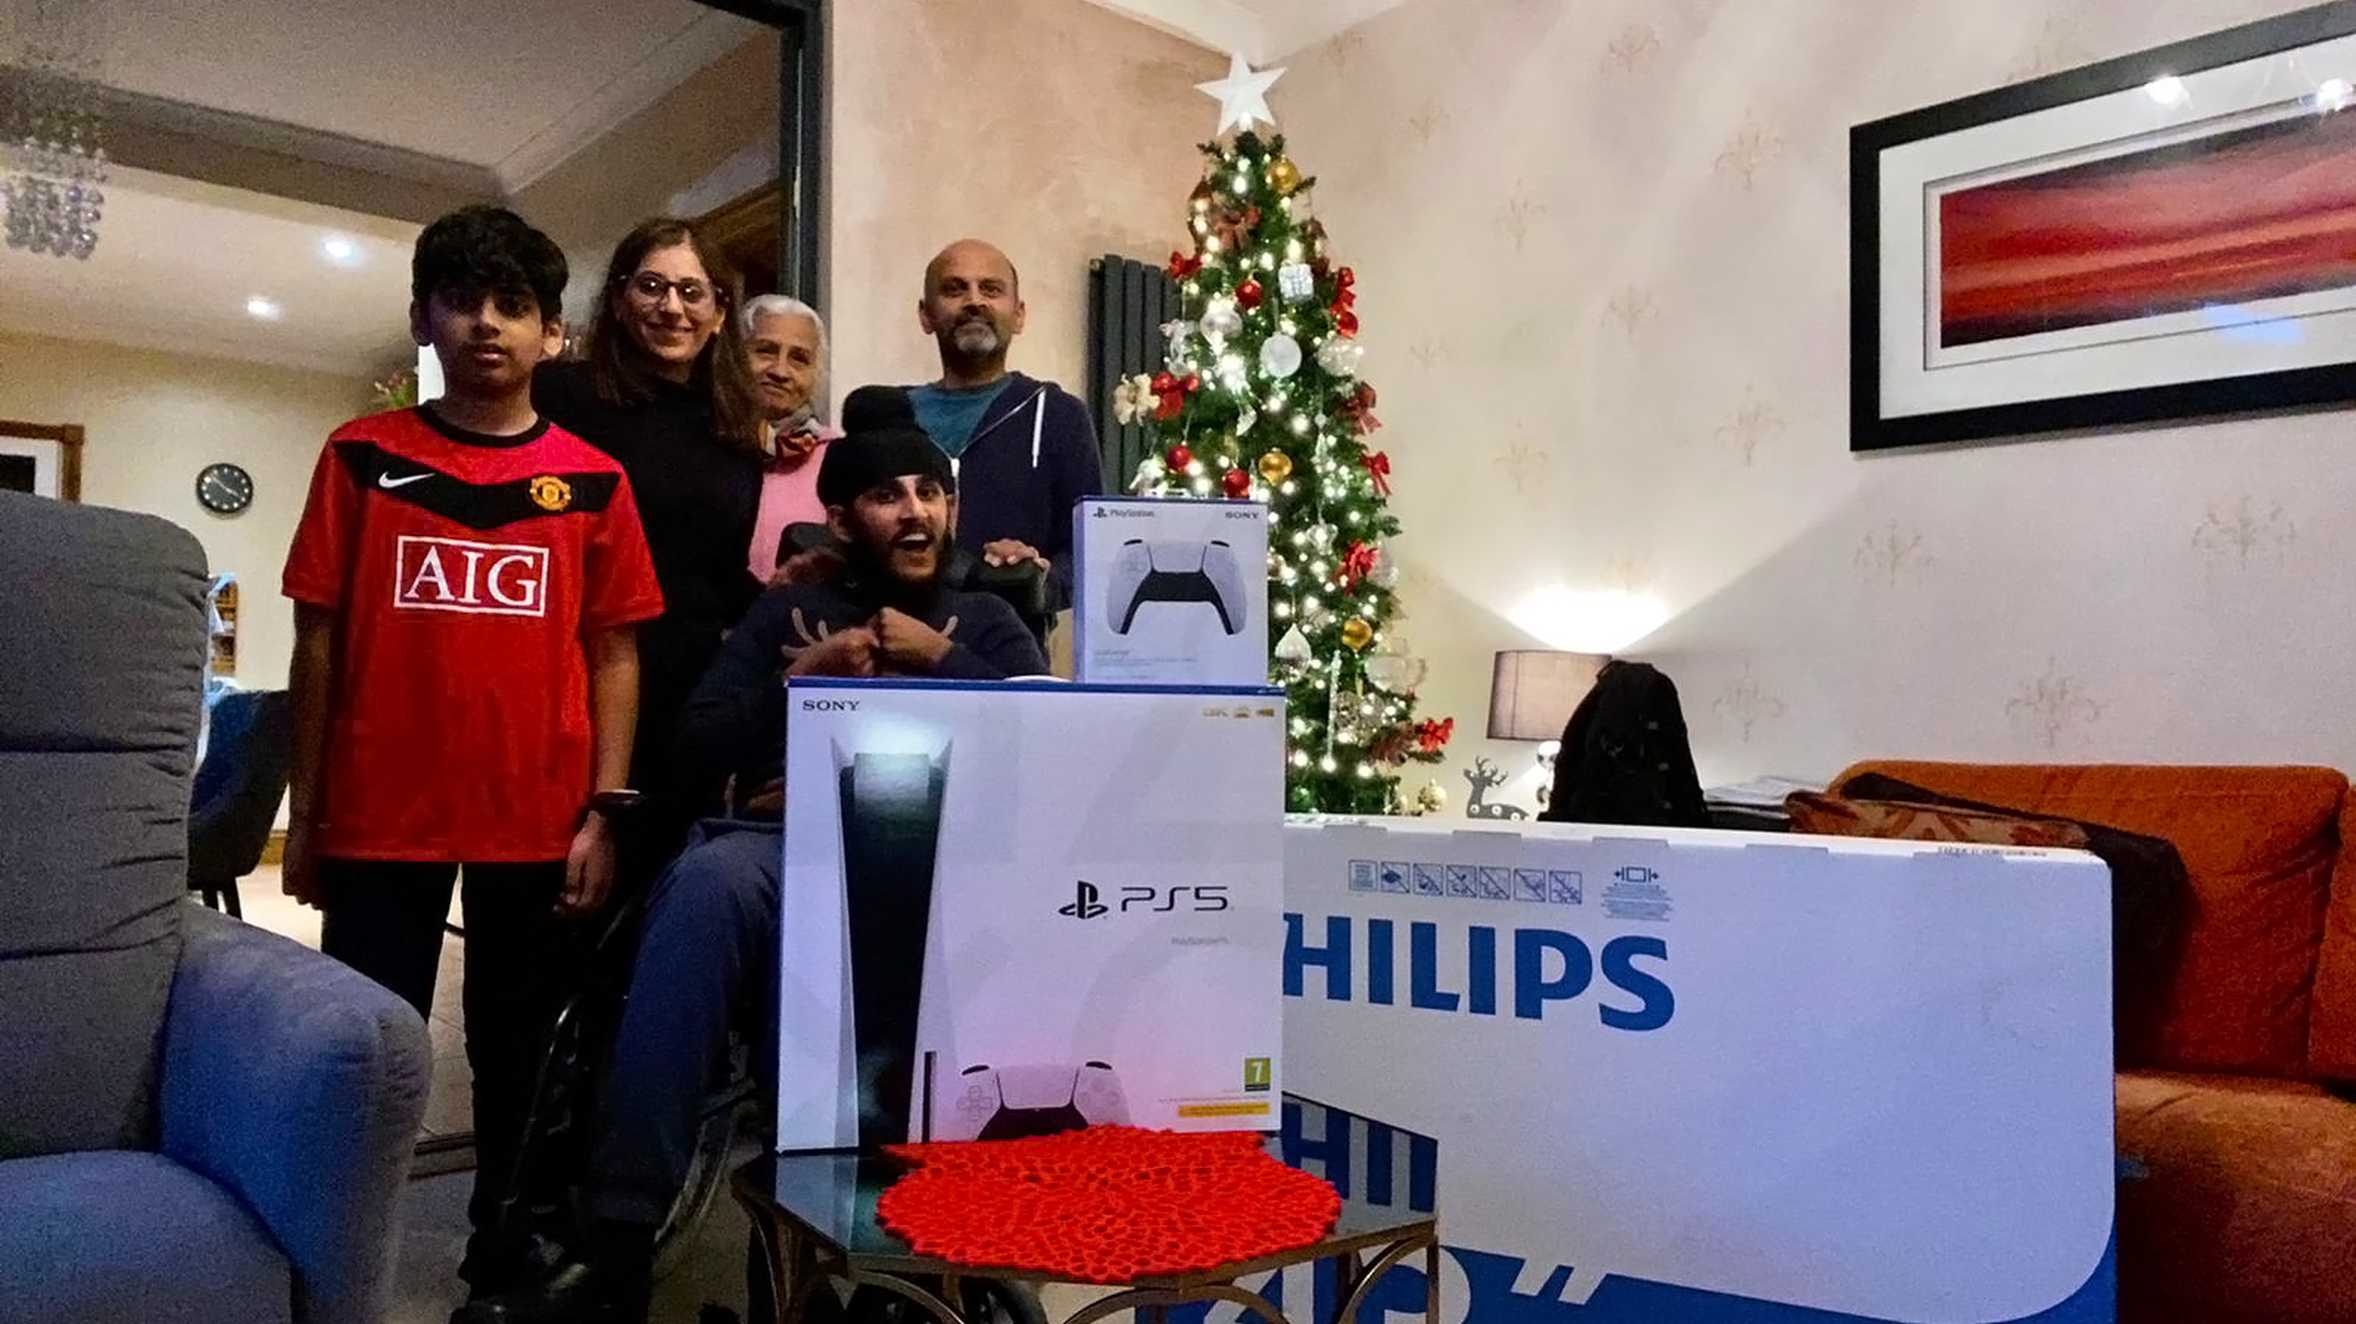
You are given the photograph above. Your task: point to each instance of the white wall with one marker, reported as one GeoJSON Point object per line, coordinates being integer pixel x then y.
{"type": "Point", "coordinates": [1056, 129]}
{"type": "Point", "coordinates": [153, 420]}
{"type": "Point", "coordinates": [1603, 263]}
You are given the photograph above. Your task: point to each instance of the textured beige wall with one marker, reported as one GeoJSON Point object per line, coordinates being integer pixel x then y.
{"type": "Point", "coordinates": [1053, 128]}
{"type": "Point", "coordinates": [151, 421]}
{"type": "Point", "coordinates": [1603, 263]}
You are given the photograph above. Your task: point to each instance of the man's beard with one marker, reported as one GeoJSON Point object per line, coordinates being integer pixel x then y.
{"type": "Point", "coordinates": [874, 568]}
{"type": "Point", "coordinates": [975, 338]}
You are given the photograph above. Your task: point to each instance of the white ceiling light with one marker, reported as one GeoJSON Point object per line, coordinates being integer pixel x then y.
{"type": "Point", "coordinates": [263, 309]}
{"type": "Point", "coordinates": [2335, 94]}
{"type": "Point", "coordinates": [340, 250]}
{"type": "Point", "coordinates": [2167, 89]}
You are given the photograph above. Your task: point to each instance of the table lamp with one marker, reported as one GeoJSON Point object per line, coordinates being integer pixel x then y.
{"type": "Point", "coordinates": [1532, 692]}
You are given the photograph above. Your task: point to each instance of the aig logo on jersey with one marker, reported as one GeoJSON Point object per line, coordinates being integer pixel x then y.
{"type": "Point", "coordinates": [483, 578]}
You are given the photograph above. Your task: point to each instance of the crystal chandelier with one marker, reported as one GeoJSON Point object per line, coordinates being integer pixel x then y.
{"type": "Point", "coordinates": [52, 162]}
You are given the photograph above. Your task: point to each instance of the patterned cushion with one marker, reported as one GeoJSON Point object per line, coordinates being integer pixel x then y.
{"type": "Point", "coordinates": [1832, 816]}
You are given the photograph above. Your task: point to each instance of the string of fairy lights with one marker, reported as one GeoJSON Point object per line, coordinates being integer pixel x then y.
{"type": "Point", "coordinates": [1245, 412]}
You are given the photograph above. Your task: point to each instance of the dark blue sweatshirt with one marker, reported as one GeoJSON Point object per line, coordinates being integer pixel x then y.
{"type": "Point", "coordinates": [1032, 456]}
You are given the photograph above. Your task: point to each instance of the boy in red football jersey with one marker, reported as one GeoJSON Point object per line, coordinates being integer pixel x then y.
{"type": "Point", "coordinates": [467, 579]}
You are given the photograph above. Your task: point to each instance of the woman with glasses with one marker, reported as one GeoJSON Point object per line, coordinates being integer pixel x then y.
{"type": "Point", "coordinates": [662, 386]}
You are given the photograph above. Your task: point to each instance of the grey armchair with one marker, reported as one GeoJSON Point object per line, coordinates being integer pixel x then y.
{"type": "Point", "coordinates": [198, 1120]}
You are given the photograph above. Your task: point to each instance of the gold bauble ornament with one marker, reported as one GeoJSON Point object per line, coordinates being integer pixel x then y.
{"type": "Point", "coordinates": [1275, 467]}
{"type": "Point", "coordinates": [1284, 175]}
{"type": "Point", "coordinates": [1357, 634]}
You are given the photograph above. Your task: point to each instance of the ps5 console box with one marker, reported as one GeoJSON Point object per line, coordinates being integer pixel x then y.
{"type": "Point", "coordinates": [1009, 909]}
{"type": "Point", "coordinates": [1170, 591]}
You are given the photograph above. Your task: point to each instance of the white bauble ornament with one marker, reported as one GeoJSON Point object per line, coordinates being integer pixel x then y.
{"type": "Point", "coordinates": [1385, 574]}
{"type": "Point", "coordinates": [1396, 673]}
{"type": "Point", "coordinates": [1221, 320]}
{"type": "Point", "coordinates": [1293, 649]}
{"type": "Point", "coordinates": [1150, 473]}
{"type": "Point", "coordinates": [1280, 356]}
{"type": "Point", "coordinates": [1339, 356]}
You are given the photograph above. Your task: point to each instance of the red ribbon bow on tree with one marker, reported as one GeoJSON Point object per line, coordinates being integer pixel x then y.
{"type": "Point", "coordinates": [1171, 392]}
{"type": "Point", "coordinates": [1430, 736]}
{"type": "Point", "coordinates": [1345, 298]}
{"type": "Point", "coordinates": [1182, 266]}
{"type": "Point", "coordinates": [1359, 409]}
{"type": "Point", "coordinates": [1357, 564]}
{"type": "Point", "coordinates": [1378, 469]}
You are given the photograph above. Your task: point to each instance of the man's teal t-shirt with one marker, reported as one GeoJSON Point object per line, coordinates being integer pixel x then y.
{"type": "Point", "coordinates": [949, 415]}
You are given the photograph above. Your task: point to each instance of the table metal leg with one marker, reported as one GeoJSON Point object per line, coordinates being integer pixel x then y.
{"type": "Point", "coordinates": [1431, 1279]}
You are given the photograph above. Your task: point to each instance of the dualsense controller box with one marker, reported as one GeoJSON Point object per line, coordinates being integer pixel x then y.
{"type": "Point", "coordinates": [1018, 908]}
{"type": "Point", "coordinates": [1170, 591]}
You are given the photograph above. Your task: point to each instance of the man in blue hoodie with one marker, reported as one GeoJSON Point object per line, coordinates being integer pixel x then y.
{"type": "Point", "coordinates": [1024, 450]}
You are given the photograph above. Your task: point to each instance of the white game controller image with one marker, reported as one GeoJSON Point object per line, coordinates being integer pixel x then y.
{"type": "Point", "coordinates": [1010, 1103]}
{"type": "Point", "coordinates": [1174, 572]}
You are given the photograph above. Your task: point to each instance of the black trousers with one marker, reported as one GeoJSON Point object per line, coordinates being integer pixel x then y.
{"type": "Point", "coordinates": [384, 919]}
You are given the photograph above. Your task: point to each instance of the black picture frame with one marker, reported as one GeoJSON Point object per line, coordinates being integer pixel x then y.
{"type": "Point", "coordinates": [1869, 430]}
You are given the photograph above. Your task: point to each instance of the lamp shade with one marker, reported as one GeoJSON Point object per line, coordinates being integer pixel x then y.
{"type": "Point", "coordinates": [1532, 692]}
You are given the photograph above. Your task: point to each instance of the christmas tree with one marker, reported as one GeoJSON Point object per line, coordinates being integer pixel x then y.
{"type": "Point", "coordinates": [1260, 400]}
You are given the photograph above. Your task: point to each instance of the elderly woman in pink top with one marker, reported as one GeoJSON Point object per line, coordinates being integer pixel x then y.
{"type": "Point", "coordinates": [786, 342]}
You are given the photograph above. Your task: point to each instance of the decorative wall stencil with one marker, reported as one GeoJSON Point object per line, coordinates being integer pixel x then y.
{"type": "Point", "coordinates": [1631, 47]}
{"type": "Point", "coordinates": [1426, 123]}
{"type": "Point", "coordinates": [1629, 310]}
{"type": "Point", "coordinates": [1751, 424]}
{"type": "Point", "coordinates": [1629, 574]}
{"type": "Point", "coordinates": [1343, 51]}
{"type": "Point", "coordinates": [2056, 49]}
{"type": "Point", "coordinates": [2239, 531]}
{"type": "Point", "coordinates": [1519, 212]}
{"type": "Point", "coordinates": [1525, 462]}
{"type": "Point", "coordinates": [1752, 148]}
{"type": "Point", "coordinates": [2052, 705]}
{"type": "Point", "coordinates": [1891, 553]}
{"type": "Point", "coordinates": [1745, 704]}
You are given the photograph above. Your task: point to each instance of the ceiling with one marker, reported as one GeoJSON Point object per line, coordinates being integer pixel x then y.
{"type": "Point", "coordinates": [1263, 31]}
{"type": "Point", "coordinates": [536, 79]}
{"type": "Point", "coordinates": [177, 261]}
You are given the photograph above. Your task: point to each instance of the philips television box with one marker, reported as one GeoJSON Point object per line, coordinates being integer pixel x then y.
{"type": "Point", "coordinates": [1650, 1074]}
{"type": "Point", "coordinates": [1017, 908]}
{"type": "Point", "coordinates": [1170, 591]}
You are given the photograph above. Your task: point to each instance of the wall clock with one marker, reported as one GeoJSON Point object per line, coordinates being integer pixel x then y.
{"type": "Point", "coordinates": [224, 489]}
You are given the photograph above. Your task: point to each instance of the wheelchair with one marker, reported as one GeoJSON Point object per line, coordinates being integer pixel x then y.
{"type": "Point", "coordinates": [538, 1197]}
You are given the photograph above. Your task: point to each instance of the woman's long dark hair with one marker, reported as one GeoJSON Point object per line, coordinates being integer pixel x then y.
{"type": "Point", "coordinates": [618, 364]}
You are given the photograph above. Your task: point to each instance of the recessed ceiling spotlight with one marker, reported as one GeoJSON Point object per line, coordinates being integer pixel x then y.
{"type": "Point", "coordinates": [263, 309]}
{"type": "Point", "coordinates": [340, 250]}
{"type": "Point", "coordinates": [2167, 89]}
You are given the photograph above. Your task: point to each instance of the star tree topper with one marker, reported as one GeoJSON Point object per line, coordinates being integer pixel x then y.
{"type": "Point", "coordinates": [1242, 95]}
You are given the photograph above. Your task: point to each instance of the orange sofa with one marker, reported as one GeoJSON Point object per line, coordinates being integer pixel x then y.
{"type": "Point", "coordinates": [2237, 1194]}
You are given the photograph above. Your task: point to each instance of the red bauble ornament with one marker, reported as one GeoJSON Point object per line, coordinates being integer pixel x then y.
{"type": "Point", "coordinates": [1179, 457]}
{"type": "Point", "coordinates": [1193, 383]}
{"type": "Point", "coordinates": [1236, 483]}
{"type": "Point", "coordinates": [1171, 406]}
{"type": "Point", "coordinates": [1248, 295]}
{"type": "Point", "coordinates": [1163, 383]}
{"type": "Point", "coordinates": [1346, 322]}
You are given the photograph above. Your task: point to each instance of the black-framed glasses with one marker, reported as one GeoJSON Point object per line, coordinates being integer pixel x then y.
{"type": "Point", "coordinates": [649, 288]}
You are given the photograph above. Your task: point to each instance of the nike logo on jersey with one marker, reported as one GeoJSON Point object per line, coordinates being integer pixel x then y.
{"type": "Point", "coordinates": [388, 482]}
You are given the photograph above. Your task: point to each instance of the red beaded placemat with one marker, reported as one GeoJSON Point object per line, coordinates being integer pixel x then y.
{"type": "Point", "coordinates": [1110, 1204]}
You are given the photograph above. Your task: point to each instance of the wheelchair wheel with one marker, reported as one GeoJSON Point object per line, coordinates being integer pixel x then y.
{"type": "Point", "coordinates": [707, 1173]}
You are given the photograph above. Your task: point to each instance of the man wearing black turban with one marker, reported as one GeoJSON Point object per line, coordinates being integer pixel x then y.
{"type": "Point", "coordinates": [708, 958]}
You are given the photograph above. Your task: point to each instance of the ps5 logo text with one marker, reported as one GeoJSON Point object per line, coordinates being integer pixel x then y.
{"type": "Point", "coordinates": [1206, 898]}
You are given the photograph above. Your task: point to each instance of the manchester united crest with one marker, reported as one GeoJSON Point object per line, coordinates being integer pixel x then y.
{"type": "Point", "coordinates": [551, 493]}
